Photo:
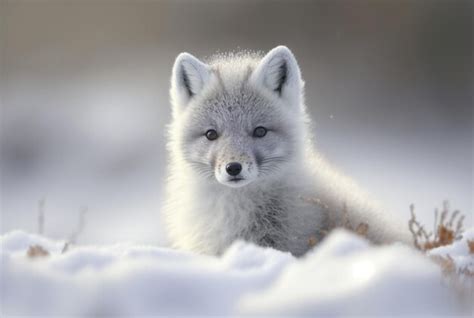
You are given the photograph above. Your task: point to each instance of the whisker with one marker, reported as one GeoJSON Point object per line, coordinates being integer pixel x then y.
{"type": "Point", "coordinates": [274, 159]}
{"type": "Point", "coordinates": [270, 165]}
{"type": "Point", "coordinates": [202, 169]}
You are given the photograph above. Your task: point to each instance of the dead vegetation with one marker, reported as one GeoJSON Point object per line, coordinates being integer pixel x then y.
{"type": "Point", "coordinates": [78, 231]}
{"type": "Point", "coordinates": [36, 251]}
{"type": "Point", "coordinates": [470, 245]}
{"type": "Point", "coordinates": [448, 227]}
{"type": "Point", "coordinates": [41, 204]}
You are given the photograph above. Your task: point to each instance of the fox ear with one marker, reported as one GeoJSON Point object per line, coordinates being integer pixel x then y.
{"type": "Point", "coordinates": [188, 79]}
{"type": "Point", "coordinates": [279, 73]}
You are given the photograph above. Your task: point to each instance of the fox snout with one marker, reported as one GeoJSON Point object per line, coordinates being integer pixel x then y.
{"type": "Point", "coordinates": [236, 172]}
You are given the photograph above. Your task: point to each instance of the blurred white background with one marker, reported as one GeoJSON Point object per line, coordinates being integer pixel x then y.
{"type": "Point", "coordinates": [84, 100]}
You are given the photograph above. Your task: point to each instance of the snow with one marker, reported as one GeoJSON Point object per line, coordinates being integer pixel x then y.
{"type": "Point", "coordinates": [458, 252]}
{"type": "Point", "coordinates": [343, 275]}
{"type": "Point", "coordinates": [346, 276]}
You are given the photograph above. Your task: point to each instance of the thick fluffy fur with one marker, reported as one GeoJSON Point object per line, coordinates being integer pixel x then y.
{"type": "Point", "coordinates": [272, 202]}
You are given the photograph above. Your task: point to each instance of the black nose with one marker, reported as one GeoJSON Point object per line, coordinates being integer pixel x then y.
{"type": "Point", "coordinates": [233, 168]}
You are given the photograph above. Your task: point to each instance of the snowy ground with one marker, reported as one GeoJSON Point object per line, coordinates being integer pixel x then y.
{"type": "Point", "coordinates": [344, 275]}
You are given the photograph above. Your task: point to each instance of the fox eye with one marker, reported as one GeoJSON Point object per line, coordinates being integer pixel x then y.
{"type": "Point", "coordinates": [260, 132]}
{"type": "Point", "coordinates": [211, 134]}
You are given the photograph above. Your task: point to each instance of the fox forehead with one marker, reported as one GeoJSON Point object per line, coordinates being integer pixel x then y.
{"type": "Point", "coordinates": [230, 93]}
{"type": "Point", "coordinates": [238, 108]}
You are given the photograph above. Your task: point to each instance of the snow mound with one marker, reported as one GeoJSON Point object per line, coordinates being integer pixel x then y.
{"type": "Point", "coordinates": [344, 275]}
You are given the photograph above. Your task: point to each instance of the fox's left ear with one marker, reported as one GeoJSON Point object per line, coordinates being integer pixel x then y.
{"type": "Point", "coordinates": [279, 73]}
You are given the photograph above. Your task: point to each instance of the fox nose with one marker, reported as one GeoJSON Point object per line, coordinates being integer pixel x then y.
{"type": "Point", "coordinates": [233, 168]}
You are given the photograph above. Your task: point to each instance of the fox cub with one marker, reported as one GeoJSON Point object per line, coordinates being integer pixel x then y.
{"type": "Point", "coordinates": [242, 164]}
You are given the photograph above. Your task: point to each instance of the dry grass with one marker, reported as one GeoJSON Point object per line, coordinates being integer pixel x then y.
{"type": "Point", "coordinates": [41, 204]}
{"type": "Point", "coordinates": [36, 251]}
{"type": "Point", "coordinates": [80, 226]}
{"type": "Point", "coordinates": [78, 231]}
{"type": "Point", "coordinates": [448, 226]}
{"type": "Point", "coordinates": [470, 245]}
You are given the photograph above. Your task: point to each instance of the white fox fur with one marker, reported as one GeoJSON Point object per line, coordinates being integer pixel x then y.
{"type": "Point", "coordinates": [286, 195]}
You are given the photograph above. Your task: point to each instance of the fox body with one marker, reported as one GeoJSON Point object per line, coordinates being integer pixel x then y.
{"type": "Point", "coordinates": [242, 164]}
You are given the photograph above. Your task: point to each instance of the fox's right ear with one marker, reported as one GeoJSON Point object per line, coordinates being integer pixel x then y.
{"type": "Point", "coordinates": [188, 79]}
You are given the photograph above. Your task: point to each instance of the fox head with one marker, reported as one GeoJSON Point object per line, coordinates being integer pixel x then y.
{"type": "Point", "coordinates": [239, 118]}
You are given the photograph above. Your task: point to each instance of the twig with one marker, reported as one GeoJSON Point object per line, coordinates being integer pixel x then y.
{"type": "Point", "coordinates": [444, 232]}
{"type": "Point", "coordinates": [81, 225]}
{"type": "Point", "coordinates": [41, 204]}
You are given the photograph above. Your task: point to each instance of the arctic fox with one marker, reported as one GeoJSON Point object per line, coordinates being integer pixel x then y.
{"type": "Point", "coordinates": [242, 164]}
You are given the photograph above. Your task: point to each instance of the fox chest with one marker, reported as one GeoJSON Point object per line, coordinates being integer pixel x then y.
{"type": "Point", "coordinates": [263, 221]}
